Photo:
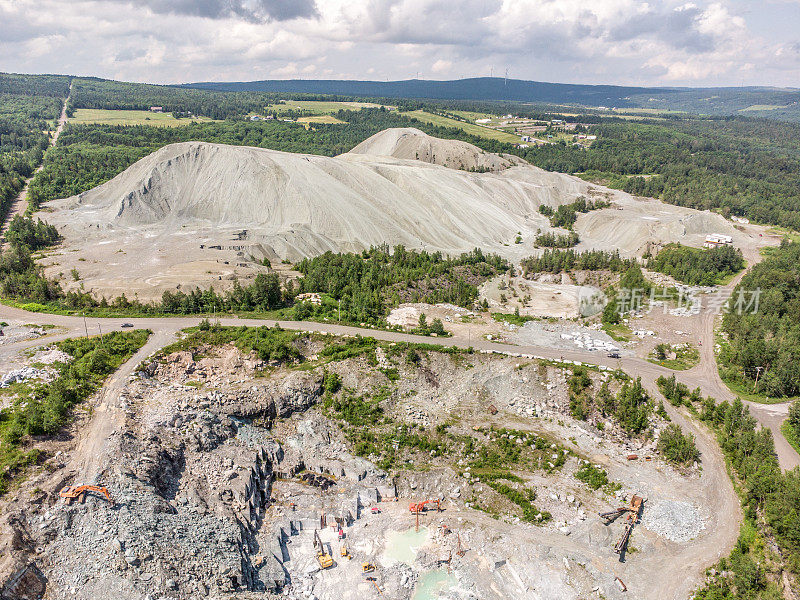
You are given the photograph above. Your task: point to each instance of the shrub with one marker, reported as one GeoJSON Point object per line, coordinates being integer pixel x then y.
{"type": "Point", "coordinates": [593, 476]}
{"type": "Point", "coordinates": [676, 447]}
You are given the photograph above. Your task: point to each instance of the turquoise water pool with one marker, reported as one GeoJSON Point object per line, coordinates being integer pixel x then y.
{"type": "Point", "coordinates": [432, 584]}
{"type": "Point", "coordinates": [402, 546]}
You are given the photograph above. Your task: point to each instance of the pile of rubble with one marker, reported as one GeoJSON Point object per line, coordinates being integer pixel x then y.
{"type": "Point", "coordinates": [20, 375]}
{"type": "Point", "coordinates": [675, 520]}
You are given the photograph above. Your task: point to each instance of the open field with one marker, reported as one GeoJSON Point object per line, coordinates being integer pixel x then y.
{"type": "Point", "coordinates": [470, 128]}
{"type": "Point", "coordinates": [760, 107]}
{"type": "Point", "coordinates": [319, 107]}
{"type": "Point", "coordinates": [130, 117]}
{"type": "Point", "coordinates": [320, 119]}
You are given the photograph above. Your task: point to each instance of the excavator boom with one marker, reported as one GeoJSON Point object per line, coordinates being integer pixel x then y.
{"type": "Point", "coordinates": [70, 493]}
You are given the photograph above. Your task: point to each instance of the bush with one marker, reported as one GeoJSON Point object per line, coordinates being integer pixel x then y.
{"type": "Point", "coordinates": [593, 476]}
{"type": "Point", "coordinates": [331, 382]}
{"type": "Point", "coordinates": [676, 447]}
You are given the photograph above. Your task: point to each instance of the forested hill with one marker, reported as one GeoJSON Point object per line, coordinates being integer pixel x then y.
{"type": "Point", "coordinates": [478, 88]}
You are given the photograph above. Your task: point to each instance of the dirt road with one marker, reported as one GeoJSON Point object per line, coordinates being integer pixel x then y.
{"type": "Point", "coordinates": [20, 205]}
{"type": "Point", "coordinates": [704, 376]}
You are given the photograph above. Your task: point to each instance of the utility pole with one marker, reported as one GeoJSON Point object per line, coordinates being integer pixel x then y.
{"type": "Point", "coordinates": [85, 327]}
{"type": "Point", "coordinates": [758, 372]}
{"type": "Point", "coordinates": [340, 311]}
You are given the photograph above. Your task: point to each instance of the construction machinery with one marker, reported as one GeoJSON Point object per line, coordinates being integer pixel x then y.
{"type": "Point", "coordinates": [416, 507]}
{"type": "Point", "coordinates": [324, 558]}
{"type": "Point", "coordinates": [375, 583]}
{"type": "Point", "coordinates": [461, 551]}
{"type": "Point", "coordinates": [633, 512]}
{"type": "Point", "coordinates": [70, 493]}
{"type": "Point", "coordinates": [346, 553]}
{"type": "Point", "coordinates": [367, 567]}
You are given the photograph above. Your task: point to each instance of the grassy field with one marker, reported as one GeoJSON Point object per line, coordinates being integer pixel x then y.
{"type": "Point", "coordinates": [320, 119]}
{"type": "Point", "coordinates": [758, 107]}
{"type": "Point", "coordinates": [130, 117]}
{"type": "Point", "coordinates": [319, 107]}
{"type": "Point", "coordinates": [477, 130]}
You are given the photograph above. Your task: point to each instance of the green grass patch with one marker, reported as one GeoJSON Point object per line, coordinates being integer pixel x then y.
{"type": "Point", "coordinates": [791, 435]}
{"type": "Point", "coordinates": [513, 318]}
{"type": "Point", "coordinates": [98, 116]}
{"type": "Point", "coordinates": [685, 358]}
{"type": "Point", "coordinates": [618, 331]}
{"type": "Point", "coordinates": [596, 478]}
{"type": "Point", "coordinates": [470, 128]}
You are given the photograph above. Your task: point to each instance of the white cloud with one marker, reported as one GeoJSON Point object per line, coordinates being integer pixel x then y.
{"type": "Point", "coordinates": [661, 42]}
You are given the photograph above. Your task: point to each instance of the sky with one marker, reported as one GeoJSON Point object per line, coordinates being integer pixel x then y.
{"type": "Point", "coordinates": [660, 43]}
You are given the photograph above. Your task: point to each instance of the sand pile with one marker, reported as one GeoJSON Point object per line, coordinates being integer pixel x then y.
{"type": "Point", "coordinates": [413, 144]}
{"type": "Point", "coordinates": [199, 214]}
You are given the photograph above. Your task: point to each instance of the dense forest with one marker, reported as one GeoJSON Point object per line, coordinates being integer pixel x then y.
{"type": "Point", "coordinates": [369, 283]}
{"type": "Point", "coordinates": [118, 95]}
{"type": "Point", "coordinates": [559, 261]}
{"type": "Point", "coordinates": [697, 266]}
{"type": "Point", "coordinates": [565, 215]}
{"type": "Point", "coordinates": [740, 166]}
{"type": "Point", "coordinates": [737, 165]}
{"type": "Point", "coordinates": [766, 344]}
{"type": "Point", "coordinates": [557, 240]}
{"type": "Point", "coordinates": [88, 155]}
{"type": "Point", "coordinates": [768, 495]}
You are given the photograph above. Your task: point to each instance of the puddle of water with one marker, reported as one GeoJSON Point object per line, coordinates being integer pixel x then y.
{"type": "Point", "coordinates": [432, 584]}
{"type": "Point", "coordinates": [402, 546]}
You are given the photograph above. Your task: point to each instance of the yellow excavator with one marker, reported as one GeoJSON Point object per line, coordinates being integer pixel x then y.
{"type": "Point", "coordinates": [324, 559]}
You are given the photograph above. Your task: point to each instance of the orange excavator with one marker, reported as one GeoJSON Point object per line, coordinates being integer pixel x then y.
{"type": "Point", "coordinates": [416, 507]}
{"type": "Point", "coordinates": [70, 493]}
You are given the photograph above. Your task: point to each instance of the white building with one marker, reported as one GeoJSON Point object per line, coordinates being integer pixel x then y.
{"type": "Point", "coordinates": [715, 240]}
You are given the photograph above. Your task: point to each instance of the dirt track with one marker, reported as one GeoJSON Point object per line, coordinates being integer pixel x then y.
{"type": "Point", "coordinates": [20, 205]}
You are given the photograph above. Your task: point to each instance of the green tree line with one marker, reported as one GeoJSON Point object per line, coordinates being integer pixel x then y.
{"type": "Point", "coordinates": [697, 266]}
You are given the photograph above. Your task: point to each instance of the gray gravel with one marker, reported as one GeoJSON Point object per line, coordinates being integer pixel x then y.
{"type": "Point", "coordinates": [675, 520]}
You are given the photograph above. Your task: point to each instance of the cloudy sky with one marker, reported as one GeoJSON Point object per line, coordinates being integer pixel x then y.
{"type": "Point", "coordinates": [661, 42]}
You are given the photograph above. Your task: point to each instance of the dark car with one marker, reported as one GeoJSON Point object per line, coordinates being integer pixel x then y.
{"type": "Point", "coordinates": [126, 325]}
{"type": "Point", "coordinates": [613, 355]}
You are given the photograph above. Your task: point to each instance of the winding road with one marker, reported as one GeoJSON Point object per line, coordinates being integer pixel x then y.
{"type": "Point", "coordinates": [714, 486]}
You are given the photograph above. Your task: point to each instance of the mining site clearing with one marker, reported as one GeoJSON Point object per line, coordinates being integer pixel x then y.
{"type": "Point", "coordinates": [224, 468]}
